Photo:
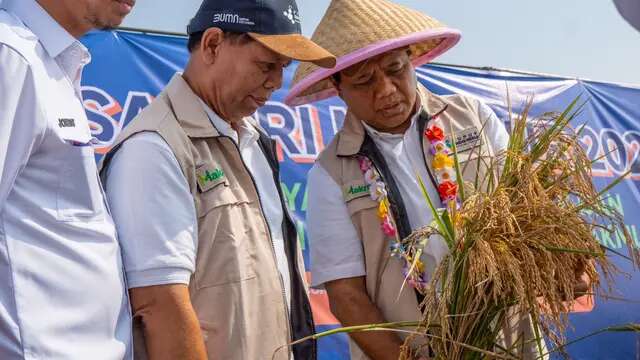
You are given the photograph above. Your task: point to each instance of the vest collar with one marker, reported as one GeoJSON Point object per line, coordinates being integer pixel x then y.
{"type": "Point", "coordinates": [353, 132]}
{"type": "Point", "coordinates": [188, 110]}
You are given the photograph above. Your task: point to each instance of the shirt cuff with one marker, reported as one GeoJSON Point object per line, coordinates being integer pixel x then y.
{"type": "Point", "coordinates": [344, 271]}
{"type": "Point", "coordinates": [152, 277]}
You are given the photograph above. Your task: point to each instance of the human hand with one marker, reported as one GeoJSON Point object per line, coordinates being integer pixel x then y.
{"type": "Point", "coordinates": [582, 283]}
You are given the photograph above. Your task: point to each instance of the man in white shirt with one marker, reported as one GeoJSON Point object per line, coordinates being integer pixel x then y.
{"type": "Point", "coordinates": [338, 253]}
{"type": "Point", "coordinates": [364, 192]}
{"type": "Point", "coordinates": [63, 294]}
{"type": "Point", "coordinates": [345, 259]}
{"type": "Point", "coordinates": [193, 182]}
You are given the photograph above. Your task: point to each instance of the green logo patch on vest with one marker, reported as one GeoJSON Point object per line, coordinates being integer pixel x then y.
{"type": "Point", "coordinates": [355, 190]}
{"type": "Point", "coordinates": [209, 177]}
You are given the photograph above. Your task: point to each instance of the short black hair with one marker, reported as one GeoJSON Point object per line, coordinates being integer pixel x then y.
{"type": "Point", "coordinates": [336, 78]}
{"type": "Point", "coordinates": [194, 40]}
{"type": "Point", "coordinates": [236, 38]}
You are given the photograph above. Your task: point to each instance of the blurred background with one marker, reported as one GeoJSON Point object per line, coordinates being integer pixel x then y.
{"type": "Point", "coordinates": [574, 38]}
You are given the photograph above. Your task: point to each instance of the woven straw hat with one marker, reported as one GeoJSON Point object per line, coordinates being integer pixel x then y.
{"type": "Point", "coordinates": [356, 30]}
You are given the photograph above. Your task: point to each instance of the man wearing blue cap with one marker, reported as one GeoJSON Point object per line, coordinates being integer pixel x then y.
{"type": "Point", "coordinates": [211, 255]}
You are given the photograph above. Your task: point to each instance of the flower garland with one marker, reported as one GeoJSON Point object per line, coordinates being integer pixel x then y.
{"type": "Point", "coordinates": [413, 271]}
{"type": "Point", "coordinates": [413, 267]}
{"type": "Point", "coordinates": [443, 164]}
{"type": "Point", "coordinates": [378, 193]}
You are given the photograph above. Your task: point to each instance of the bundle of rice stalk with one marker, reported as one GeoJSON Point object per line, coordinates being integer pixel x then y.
{"type": "Point", "coordinates": [519, 238]}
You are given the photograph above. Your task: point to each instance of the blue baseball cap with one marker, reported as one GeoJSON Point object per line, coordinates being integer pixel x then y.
{"type": "Point", "coordinates": [273, 23]}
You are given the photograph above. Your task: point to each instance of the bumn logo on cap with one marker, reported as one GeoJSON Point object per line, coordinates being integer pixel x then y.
{"type": "Point", "coordinates": [292, 15]}
{"type": "Point", "coordinates": [267, 17]}
{"type": "Point", "coordinates": [231, 19]}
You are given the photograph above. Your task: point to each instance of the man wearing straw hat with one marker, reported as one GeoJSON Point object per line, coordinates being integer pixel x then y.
{"type": "Point", "coordinates": [211, 255]}
{"type": "Point", "coordinates": [378, 44]}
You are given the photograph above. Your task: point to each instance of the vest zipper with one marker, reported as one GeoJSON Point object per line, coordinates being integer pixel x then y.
{"type": "Point", "coordinates": [424, 119]}
{"type": "Point", "coordinates": [273, 249]}
{"type": "Point", "coordinates": [296, 277]}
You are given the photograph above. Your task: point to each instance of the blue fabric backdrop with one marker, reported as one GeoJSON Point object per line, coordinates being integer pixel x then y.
{"type": "Point", "coordinates": [129, 69]}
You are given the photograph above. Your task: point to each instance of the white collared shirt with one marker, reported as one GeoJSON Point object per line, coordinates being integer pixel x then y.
{"type": "Point", "coordinates": [63, 293]}
{"type": "Point", "coordinates": [160, 248]}
{"type": "Point", "coordinates": [336, 249]}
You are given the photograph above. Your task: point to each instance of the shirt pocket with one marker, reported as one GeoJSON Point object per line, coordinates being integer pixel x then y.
{"type": "Point", "coordinates": [469, 161]}
{"type": "Point", "coordinates": [475, 165]}
{"type": "Point", "coordinates": [79, 195]}
{"type": "Point", "coordinates": [226, 237]}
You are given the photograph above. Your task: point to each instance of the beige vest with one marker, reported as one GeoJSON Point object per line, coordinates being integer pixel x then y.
{"type": "Point", "coordinates": [236, 290]}
{"type": "Point", "coordinates": [384, 276]}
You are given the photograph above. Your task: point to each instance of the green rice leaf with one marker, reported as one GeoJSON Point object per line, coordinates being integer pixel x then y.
{"type": "Point", "coordinates": [449, 239]}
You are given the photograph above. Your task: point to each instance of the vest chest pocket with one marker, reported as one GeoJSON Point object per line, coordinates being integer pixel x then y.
{"type": "Point", "coordinates": [226, 237]}
{"type": "Point", "coordinates": [469, 161]}
{"type": "Point", "coordinates": [359, 204]}
{"type": "Point", "coordinates": [474, 165]}
{"type": "Point", "coordinates": [362, 210]}
{"type": "Point", "coordinates": [218, 196]}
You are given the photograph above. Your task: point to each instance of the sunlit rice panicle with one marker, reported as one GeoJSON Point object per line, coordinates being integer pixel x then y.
{"type": "Point", "coordinates": [520, 241]}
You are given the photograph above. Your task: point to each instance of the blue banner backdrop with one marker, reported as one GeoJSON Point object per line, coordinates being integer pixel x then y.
{"type": "Point", "coordinates": [129, 69]}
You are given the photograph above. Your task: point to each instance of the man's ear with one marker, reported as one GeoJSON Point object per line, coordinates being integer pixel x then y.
{"type": "Point", "coordinates": [210, 44]}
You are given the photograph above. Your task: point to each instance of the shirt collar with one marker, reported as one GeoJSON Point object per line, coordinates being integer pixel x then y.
{"type": "Point", "coordinates": [53, 37]}
{"type": "Point", "coordinates": [246, 134]}
{"type": "Point", "coordinates": [381, 135]}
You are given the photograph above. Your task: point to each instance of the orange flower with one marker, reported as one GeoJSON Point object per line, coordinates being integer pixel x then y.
{"type": "Point", "coordinates": [448, 190]}
{"type": "Point", "coordinates": [434, 133]}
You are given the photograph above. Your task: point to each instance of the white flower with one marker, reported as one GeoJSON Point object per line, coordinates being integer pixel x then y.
{"type": "Point", "coordinates": [371, 176]}
{"type": "Point", "coordinates": [378, 191]}
{"type": "Point", "coordinates": [446, 174]}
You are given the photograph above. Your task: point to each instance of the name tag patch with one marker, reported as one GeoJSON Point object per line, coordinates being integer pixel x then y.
{"type": "Point", "coordinates": [209, 177]}
{"type": "Point", "coordinates": [73, 131]}
{"type": "Point", "coordinates": [467, 139]}
{"type": "Point", "coordinates": [66, 122]}
{"type": "Point", "coordinates": [355, 191]}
